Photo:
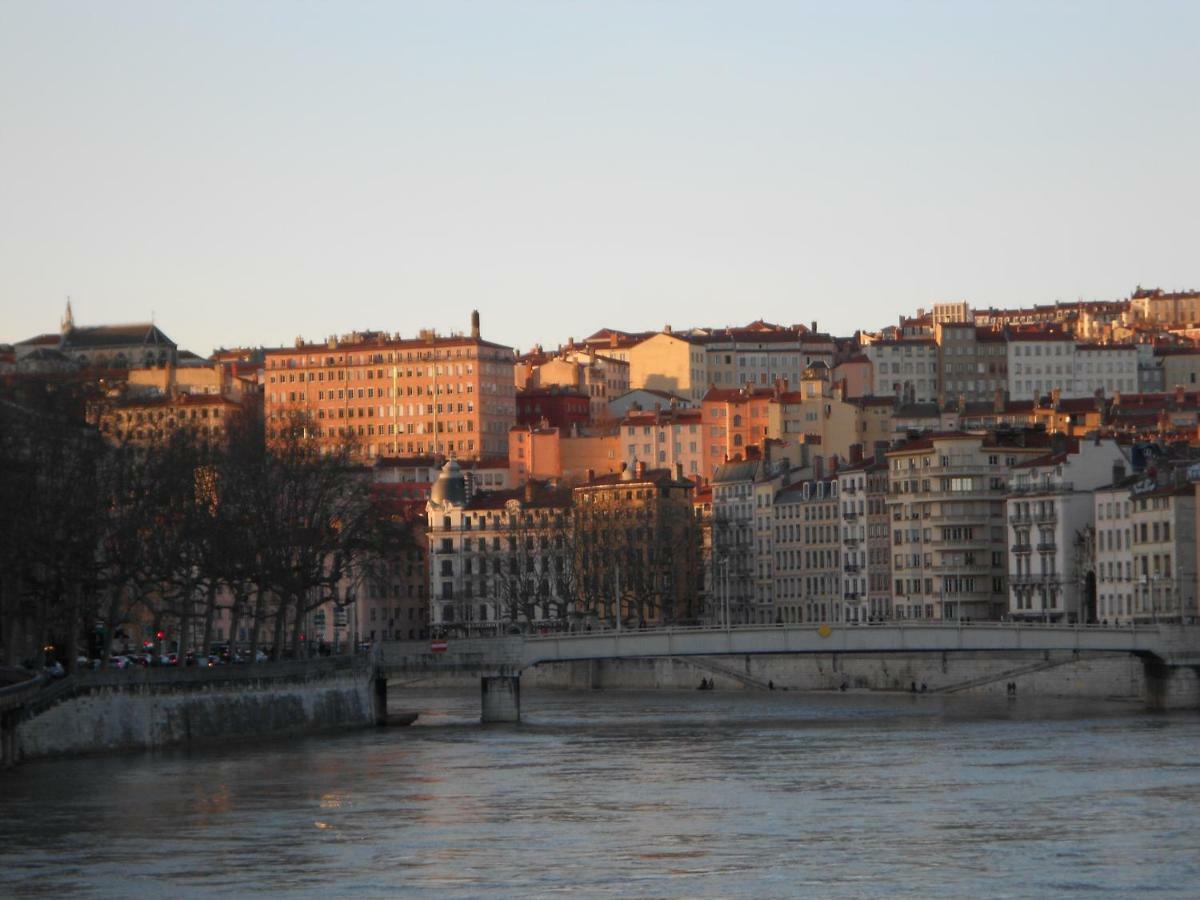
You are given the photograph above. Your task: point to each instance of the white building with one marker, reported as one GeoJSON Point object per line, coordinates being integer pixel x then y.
{"type": "Point", "coordinates": [1042, 361]}
{"type": "Point", "coordinates": [1050, 513]}
{"type": "Point", "coordinates": [1114, 552]}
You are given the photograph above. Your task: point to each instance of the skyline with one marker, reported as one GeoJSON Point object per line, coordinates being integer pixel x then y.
{"type": "Point", "coordinates": [250, 175]}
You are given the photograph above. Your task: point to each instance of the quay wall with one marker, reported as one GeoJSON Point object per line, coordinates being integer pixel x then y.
{"type": "Point", "coordinates": [146, 709]}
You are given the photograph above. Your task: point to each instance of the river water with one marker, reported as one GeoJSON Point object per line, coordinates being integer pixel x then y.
{"type": "Point", "coordinates": [638, 794]}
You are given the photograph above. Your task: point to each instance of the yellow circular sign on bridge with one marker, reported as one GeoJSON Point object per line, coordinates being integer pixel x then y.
{"type": "Point", "coordinates": [824, 631]}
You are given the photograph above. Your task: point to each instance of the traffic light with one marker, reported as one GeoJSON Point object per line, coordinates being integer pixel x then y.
{"type": "Point", "coordinates": [160, 634]}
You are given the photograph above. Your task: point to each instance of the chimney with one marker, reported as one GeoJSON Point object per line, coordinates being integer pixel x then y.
{"type": "Point", "coordinates": [856, 454]}
{"type": "Point", "coordinates": [667, 329]}
{"type": "Point", "coordinates": [881, 448]}
{"type": "Point", "coordinates": [679, 471]}
{"type": "Point", "coordinates": [818, 467]}
{"type": "Point", "coordinates": [1099, 398]}
{"type": "Point", "coordinates": [475, 324]}
{"type": "Point", "coordinates": [1180, 395]}
{"type": "Point", "coordinates": [591, 475]}
{"type": "Point", "coordinates": [1055, 397]}
{"type": "Point", "coordinates": [1116, 398]}
{"type": "Point", "coordinates": [833, 465]}
{"type": "Point", "coordinates": [998, 401]}
{"type": "Point", "coordinates": [814, 326]}
{"type": "Point", "coordinates": [639, 470]}
{"type": "Point", "coordinates": [529, 491]}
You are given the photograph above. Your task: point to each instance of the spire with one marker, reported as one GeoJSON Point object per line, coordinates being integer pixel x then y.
{"type": "Point", "coordinates": [68, 319]}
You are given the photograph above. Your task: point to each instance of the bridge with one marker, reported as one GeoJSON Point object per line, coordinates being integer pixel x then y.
{"type": "Point", "coordinates": [1163, 649]}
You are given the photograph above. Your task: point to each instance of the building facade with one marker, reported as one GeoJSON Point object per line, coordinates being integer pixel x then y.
{"type": "Point", "coordinates": [397, 397]}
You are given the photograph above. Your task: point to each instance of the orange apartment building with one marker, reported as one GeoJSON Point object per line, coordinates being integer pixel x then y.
{"type": "Point", "coordinates": [733, 418]}
{"type": "Point", "coordinates": [432, 394]}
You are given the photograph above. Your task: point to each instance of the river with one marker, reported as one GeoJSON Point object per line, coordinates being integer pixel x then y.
{"type": "Point", "coordinates": [638, 794]}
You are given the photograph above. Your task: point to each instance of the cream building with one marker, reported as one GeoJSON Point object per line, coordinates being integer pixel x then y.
{"type": "Point", "coordinates": [946, 500]}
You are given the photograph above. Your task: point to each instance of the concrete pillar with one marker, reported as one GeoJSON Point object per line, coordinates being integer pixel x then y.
{"type": "Point", "coordinates": [1171, 687]}
{"type": "Point", "coordinates": [379, 699]}
{"type": "Point", "coordinates": [501, 698]}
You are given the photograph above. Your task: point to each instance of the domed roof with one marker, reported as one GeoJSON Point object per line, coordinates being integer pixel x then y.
{"type": "Point", "coordinates": [451, 486]}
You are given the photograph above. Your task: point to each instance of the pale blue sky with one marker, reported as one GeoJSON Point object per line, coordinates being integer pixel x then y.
{"type": "Point", "coordinates": [256, 170]}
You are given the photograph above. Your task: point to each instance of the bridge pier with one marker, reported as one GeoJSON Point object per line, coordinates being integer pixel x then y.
{"type": "Point", "coordinates": [379, 701]}
{"type": "Point", "coordinates": [8, 739]}
{"type": "Point", "coordinates": [1171, 687]}
{"type": "Point", "coordinates": [501, 698]}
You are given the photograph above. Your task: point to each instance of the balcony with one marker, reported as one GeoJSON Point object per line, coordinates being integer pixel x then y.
{"type": "Point", "coordinates": [1020, 519]}
{"type": "Point", "coordinates": [850, 516]}
{"type": "Point", "coordinates": [1020, 548]}
{"type": "Point", "coordinates": [850, 595]}
{"type": "Point", "coordinates": [1043, 487]}
{"type": "Point", "coordinates": [1046, 518]}
{"type": "Point", "coordinates": [1047, 547]}
{"type": "Point", "coordinates": [1034, 579]}
{"type": "Point", "coordinates": [851, 568]}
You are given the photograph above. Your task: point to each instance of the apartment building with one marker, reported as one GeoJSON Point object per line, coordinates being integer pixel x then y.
{"type": "Point", "coordinates": [946, 501]}
{"type": "Point", "coordinates": [972, 362]}
{"type": "Point", "coordinates": [1165, 307]}
{"type": "Point", "coordinates": [817, 412]}
{"type": "Point", "coordinates": [667, 361]}
{"type": "Point", "coordinates": [664, 438]}
{"type": "Point", "coordinates": [1041, 361]}
{"type": "Point", "coordinates": [807, 550]}
{"type": "Point", "coordinates": [742, 560]}
{"type": "Point", "coordinates": [599, 377]}
{"type": "Point", "coordinates": [556, 454]}
{"type": "Point", "coordinates": [865, 541]}
{"type": "Point", "coordinates": [638, 547]}
{"type": "Point", "coordinates": [1050, 513]}
{"type": "Point", "coordinates": [906, 368]}
{"type": "Point", "coordinates": [1114, 551]}
{"type": "Point", "coordinates": [497, 559]}
{"type": "Point", "coordinates": [763, 354]}
{"type": "Point", "coordinates": [734, 419]}
{"type": "Point", "coordinates": [1163, 545]}
{"type": "Point", "coordinates": [431, 394]}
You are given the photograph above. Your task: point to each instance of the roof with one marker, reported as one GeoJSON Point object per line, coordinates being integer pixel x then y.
{"type": "Point", "coordinates": [737, 395]}
{"type": "Point", "coordinates": [42, 340]}
{"type": "Point", "coordinates": [656, 477]}
{"type": "Point", "coordinates": [543, 497]}
{"type": "Point", "coordinates": [381, 341]}
{"type": "Point", "coordinates": [669, 416]}
{"type": "Point", "coordinates": [143, 333]}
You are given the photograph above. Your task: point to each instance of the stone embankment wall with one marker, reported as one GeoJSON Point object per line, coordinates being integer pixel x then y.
{"type": "Point", "coordinates": [1057, 674]}
{"type": "Point", "coordinates": [152, 708]}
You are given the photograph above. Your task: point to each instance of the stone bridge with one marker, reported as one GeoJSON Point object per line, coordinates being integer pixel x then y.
{"type": "Point", "coordinates": [1163, 649]}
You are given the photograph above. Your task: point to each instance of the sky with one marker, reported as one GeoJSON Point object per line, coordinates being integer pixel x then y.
{"type": "Point", "coordinates": [249, 172]}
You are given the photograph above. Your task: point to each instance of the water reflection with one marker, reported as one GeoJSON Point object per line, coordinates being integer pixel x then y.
{"type": "Point", "coordinates": [629, 794]}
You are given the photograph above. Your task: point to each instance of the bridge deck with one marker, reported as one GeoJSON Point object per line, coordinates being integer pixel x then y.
{"type": "Point", "coordinates": [1174, 644]}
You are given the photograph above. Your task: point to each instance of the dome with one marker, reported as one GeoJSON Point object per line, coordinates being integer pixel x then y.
{"type": "Point", "coordinates": [450, 487]}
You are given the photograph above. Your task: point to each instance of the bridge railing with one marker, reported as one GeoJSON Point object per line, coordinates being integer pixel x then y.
{"type": "Point", "coordinates": [901, 624]}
